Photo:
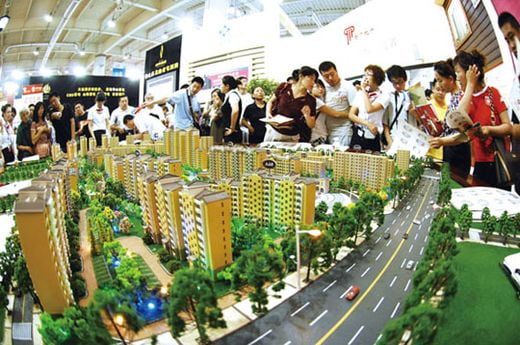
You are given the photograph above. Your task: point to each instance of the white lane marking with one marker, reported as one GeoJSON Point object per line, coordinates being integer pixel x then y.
{"type": "Point", "coordinates": [351, 267]}
{"type": "Point", "coordinates": [364, 273]}
{"type": "Point", "coordinates": [260, 337]}
{"type": "Point", "coordinates": [379, 239]}
{"type": "Point", "coordinates": [396, 231]}
{"type": "Point", "coordinates": [288, 343]}
{"type": "Point", "coordinates": [379, 337]}
{"type": "Point", "coordinates": [389, 243]}
{"type": "Point", "coordinates": [410, 250]}
{"type": "Point", "coordinates": [403, 222]}
{"type": "Point", "coordinates": [328, 287]}
{"type": "Point", "coordinates": [346, 292]}
{"type": "Point", "coordinates": [425, 238]}
{"type": "Point", "coordinates": [393, 281]}
{"type": "Point", "coordinates": [365, 253]}
{"type": "Point", "coordinates": [378, 304]}
{"type": "Point", "coordinates": [355, 335]}
{"type": "Point", "coordinates": [416, 235]}
{"type": "Point", "coordinates": [379, 255]}
{"type": "Point", "coordinates": [404, 261]}
{"type": "Point", "coordinates": [319, 317]}
{"type": "Point", "coordinates": [395, 310]}
{"type": "Point", "coordinates": [407, 284]}
{"type": "Point", "coordinates": [300, 309]}
{"type": "Point", "coordinates": [393, 222]}
{"type": "Point", "coordinates": [422, 249]}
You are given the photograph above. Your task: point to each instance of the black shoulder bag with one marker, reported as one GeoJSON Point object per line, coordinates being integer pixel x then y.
{"type": "Point", "coordinates": [192, 113]}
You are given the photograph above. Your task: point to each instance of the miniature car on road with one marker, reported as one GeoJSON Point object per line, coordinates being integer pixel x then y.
{"type": "Point", "coordinates": [386, 236]}
{"type": "Point", "coordinates": [409, 264]}
{"type": "Point", "coordinates": [405, 236]}
{"type": "Point", "coordinates": [354, 291]}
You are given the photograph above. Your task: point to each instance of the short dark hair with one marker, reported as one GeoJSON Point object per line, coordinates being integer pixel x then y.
{"type": "Point", "coordinates": [465, 60]}
{"type": "Point", "coordinates": [75, 104]}
{"type": "Point", "coordinates": [230, 81]}
{"type": "Point", "coordinates": [127, 118]}
{"type": "Point", "coordinates": [506, 17]}
{"type": "Point", "coordinates": [241, 78]}
{"type": "Point", "coordinates": [124, 96]}
{"type": "Point", "coordinates": [356, 82]}
{"type": "Point", "coordinates": [445, 69]}
{"type": "Point", "coordinates": [428, 92]}
{"type": "Point", "coordinates": [5, 106]}
{"type": "Point", "coordinates": [326, 65]}
{"type": "Point", "coordinates": [101, 97]}
{"type": "Point", "coordinates": [37, 107]}
{"type": "Point", "coordinates": [396, 71]}
{"type": "Point", "coordinates": [289, 78]}
{"type": "Point", "coordinates": [54, 94]}
{"type": "Point", "coordinates": [30, 105]}
{"type": "Point", "coordinates": [184, 86]}
{"type": "Point", "coordinates": [198, 80]}
{"type": "Point", "coordinates": [320, 83]}
{"type": "Point", "coordinates": [379, 74]}
{"type": "Point", "coordinates": [304, 71]}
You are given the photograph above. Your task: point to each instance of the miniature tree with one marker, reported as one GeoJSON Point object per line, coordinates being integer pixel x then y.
{"type": "Point", "coordinates": [488, 223]}
{"type": "Point", "coordinates": [320, 214]}
{"type": "Point", "coordinates": [257, 266]}
{"type": "Point", "coordinates": [77, 326]}
{"type": "Point", "coordinates": [244, 236]}
{"type": "Point", "coordinates": [464, 220]}
{"type": "Point", "coordinates": [192, 290]}
{"type": "Point", "coordinates": [504, 226]}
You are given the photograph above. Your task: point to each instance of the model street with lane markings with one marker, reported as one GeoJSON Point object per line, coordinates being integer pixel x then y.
{"type": "Point", "coordinates": [320, 314]}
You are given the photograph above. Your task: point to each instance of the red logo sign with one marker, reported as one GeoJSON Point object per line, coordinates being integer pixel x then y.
{"type": "Point", "coordinates": [349, 32]}
{"type": "Point", "coordinates": [33, 88]}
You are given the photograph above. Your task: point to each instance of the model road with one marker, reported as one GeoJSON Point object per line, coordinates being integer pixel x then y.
{"type": "Point", "coordinates": [320, 314]}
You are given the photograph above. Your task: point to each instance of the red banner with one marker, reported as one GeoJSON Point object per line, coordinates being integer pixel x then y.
{"type": "Point", "coordinates": [32, 89]}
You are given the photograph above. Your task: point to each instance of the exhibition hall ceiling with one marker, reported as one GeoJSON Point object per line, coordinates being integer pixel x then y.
{"type": "Point", "coordinates": [58, 34]}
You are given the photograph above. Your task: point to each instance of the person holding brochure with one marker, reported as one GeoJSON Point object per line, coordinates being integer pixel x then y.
{"type": "Point", "coordinates": [369, 105]}
{"type": "Point", "coordinates": [485, 107]}
{"type": "Point", "coordinates": [294, 102]}
{"type": "Point", "coordinates": [456, 152]}
{"type": "Point", "coordinates": [438, 101]}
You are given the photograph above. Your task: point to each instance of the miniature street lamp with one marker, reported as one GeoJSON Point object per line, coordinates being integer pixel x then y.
{"type": "Point", "coordinates": [313, 233]}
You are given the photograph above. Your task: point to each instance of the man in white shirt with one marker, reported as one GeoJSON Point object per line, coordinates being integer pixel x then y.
{"type": "Point", "coordinates": [400, 107]}
{"type": "Point", "coordinates": [338, 97]}
{"type": "Point", "coordinates": [98, 118]}
{"type": "Point", "coordinates": [151, 108]}
{"type": "Point", "coordinates": [145, 124]}
{"type": "Point", "coordinates": [244, 95]}
{"type": "Point", "coordinates": [116, 119]}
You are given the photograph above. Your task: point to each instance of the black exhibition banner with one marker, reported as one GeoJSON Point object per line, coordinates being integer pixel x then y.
{"type": "Point", "coordinates": [164, 58]}
{"type": "Point", "coordinates": [83, 90]}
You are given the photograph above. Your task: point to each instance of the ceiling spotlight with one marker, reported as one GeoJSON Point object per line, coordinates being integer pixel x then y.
{"type": "Point", "coordinates": [47, 18]}
{"type": "Point", "coordinates": [36, 52]}
{"type": "Point", "coordinates": [45, 72]}
{"type": "Point", "coordinates": [3, 22]}
{"type": "Point", "coordinates": [126, 56]}
{"type": "Point", "coordinates": [186, 24]}
{"type": "Point", "coordinates": [11, 88]}
{"type": "Point", "coordinates": [82, 52]}
{"type": "Point", "coordinates": [17, 74]}
{"type": "Point", "coordinates": [133, 74]}
{"type": "Point", "coordinates": [79, 71]}
{"type": "Point", "coordinates": [111, 23]}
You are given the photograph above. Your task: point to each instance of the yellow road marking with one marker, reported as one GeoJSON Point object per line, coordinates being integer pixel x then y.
{"type": "Point", "coordinates": [362, 297]}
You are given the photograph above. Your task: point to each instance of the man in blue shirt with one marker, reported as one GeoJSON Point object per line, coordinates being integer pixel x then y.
{"type": "Point", "coordinates": [187, 108]}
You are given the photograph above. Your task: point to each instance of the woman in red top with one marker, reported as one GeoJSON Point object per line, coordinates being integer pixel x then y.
{"type": "Point", "coordinates": [294, 101]}
{"type": "Point", "coordinates": [486, 107]}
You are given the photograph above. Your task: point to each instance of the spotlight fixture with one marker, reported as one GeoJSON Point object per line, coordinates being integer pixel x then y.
{"type": "Point", "coordinates": [3, 22]}
{"type": "Point", "coordinates": [81, 52]}
{"type": "Point", "coordinates": [48, 18]}
{"type": "Point", "coordinates": [36, 52]}
{"type": "Point", "coordinates": [111, 23]}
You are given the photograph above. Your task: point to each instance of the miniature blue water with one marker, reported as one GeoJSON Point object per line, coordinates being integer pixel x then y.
{"type": "Point", "coordinates": [150, 307]}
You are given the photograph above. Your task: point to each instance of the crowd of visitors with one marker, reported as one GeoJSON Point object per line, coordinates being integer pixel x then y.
{"type": "Point", "coordinates": [316, 105]}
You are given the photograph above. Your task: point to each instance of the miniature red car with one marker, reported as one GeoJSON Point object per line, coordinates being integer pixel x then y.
{"type": "Point", "coordinates": [352, 293]}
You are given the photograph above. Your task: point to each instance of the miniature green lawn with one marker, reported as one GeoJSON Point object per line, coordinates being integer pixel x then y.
{"type": "Point", "coordinates": [485, 310]}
